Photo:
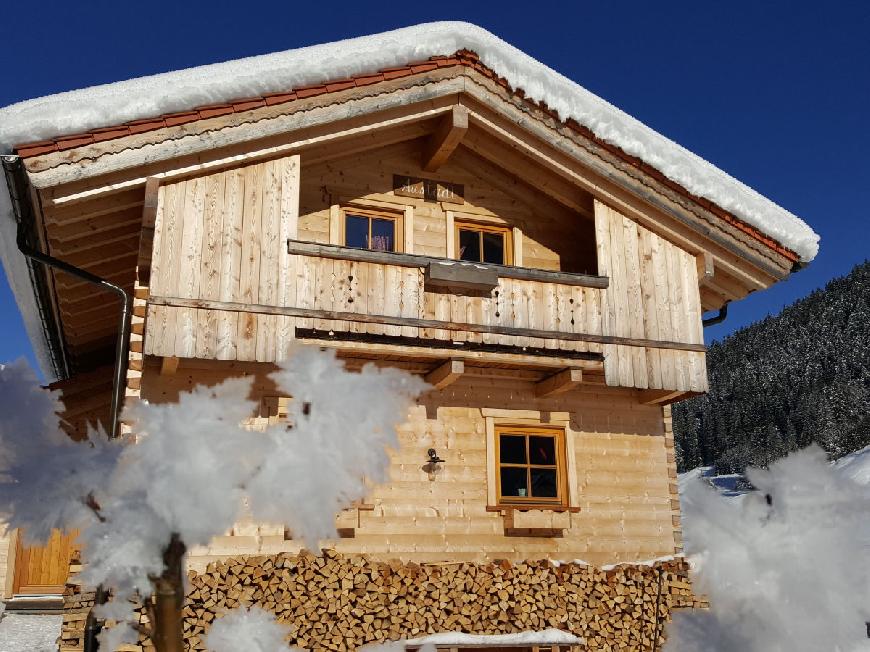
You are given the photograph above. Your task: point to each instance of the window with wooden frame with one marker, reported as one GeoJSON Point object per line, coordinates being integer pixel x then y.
{"type": "Point", "coordinates": [483, 243]}
{"type": "Point", "coordinates": [530, 466]}
{"type": "Point", "coordinates": [376, 230]}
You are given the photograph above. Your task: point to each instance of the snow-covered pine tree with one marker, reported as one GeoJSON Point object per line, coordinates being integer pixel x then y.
{"type": "Point", "coordinates": [783, 383]}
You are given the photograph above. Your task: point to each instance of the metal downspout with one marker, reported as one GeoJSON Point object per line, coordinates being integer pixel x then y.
{"type": "Point", "coordinates": [719, 318]}
{"type": "Point", "coordinates": [16, 181]}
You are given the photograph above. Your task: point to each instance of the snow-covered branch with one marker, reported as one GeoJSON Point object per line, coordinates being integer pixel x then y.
{"type": "Point", "coordinates": [195, 464]}
{"type": "Point", "coordinates": [786, 567]}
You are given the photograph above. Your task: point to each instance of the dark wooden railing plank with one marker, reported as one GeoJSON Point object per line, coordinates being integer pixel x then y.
{"type": "Point", "coordinates": [336, 252]}
{"type": "Point", "coordinates": [418, 323]}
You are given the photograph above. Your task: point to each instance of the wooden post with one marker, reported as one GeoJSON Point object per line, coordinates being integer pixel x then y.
{"type": "Point", "coordinates": [168, 634]}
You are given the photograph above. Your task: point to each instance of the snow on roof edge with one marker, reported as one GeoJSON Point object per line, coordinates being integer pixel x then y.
{"type": "Point", "coordinates": [111, 104]}
{"type": "Point", "coordinates": [18, 277]}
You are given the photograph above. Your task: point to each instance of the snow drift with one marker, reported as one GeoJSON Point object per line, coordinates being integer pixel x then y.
{"type": "Point", "coordinates": [786, 567]}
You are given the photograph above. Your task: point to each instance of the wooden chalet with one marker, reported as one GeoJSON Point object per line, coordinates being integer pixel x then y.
{"type": "Point", "coordinates": [431, 216]}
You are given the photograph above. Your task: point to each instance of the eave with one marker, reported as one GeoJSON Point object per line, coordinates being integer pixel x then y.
{"type": "Point", "coordinates": [49, 149]}
{"type": "Point", "coordinates": [90, 195]}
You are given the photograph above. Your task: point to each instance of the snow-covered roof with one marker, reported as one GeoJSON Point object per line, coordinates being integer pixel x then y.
{"type": "Point", "coordinates": [519, 639]}
{"type": "Point", "coordinates": [112, 104]}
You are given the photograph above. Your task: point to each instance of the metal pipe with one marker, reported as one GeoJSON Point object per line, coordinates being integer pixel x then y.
{"type": "Point", "coordinates": [719, 318]}
{"type": "Point", "coordinates": [93, 626]}
{"type": "Point", "coordinates": [14, 173]}
{"type": "Point", "coordinates": [167, 629]}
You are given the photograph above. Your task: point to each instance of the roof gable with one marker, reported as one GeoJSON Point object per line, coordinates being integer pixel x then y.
{"type": "Point", "coordinates": [309, 69]}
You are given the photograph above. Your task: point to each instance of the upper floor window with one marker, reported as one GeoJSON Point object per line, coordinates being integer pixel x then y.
{"type": "Point", "coordinates": [370, 229]}
{"type": "Point", "coordinates": [483, 243]}
{"type": "Point", "coordinates": [530, 465]}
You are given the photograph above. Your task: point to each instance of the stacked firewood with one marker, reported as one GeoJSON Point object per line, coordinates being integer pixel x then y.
{"type": "Point", "coordinates": [77, 602]}
{"type": "Point", "coordinates": [333, 602]}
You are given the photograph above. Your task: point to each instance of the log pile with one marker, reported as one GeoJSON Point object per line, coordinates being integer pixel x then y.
{"type": "Point", "coordinates": [335, 602]}
{"type": "Point", "coordinates": [77, 602]}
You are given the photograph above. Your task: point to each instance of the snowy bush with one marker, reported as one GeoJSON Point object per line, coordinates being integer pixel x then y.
{"type": "Point", "coordinates": [786, 567]}
{"type": "Point", "coordinates": [254, 629]}
{"type": "Point", "coordinates": [130, 501]}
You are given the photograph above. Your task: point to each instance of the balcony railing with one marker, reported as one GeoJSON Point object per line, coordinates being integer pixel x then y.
{"type": "Point", "coordinates": [367, 295]}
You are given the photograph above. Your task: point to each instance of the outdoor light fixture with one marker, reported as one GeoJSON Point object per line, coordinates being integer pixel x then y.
{"type": "Point", "coordinates": [433, 463]}
{"type": "Point", "coordinates": [433, 457]}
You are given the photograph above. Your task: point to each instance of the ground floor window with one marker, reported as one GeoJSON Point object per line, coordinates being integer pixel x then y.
{"type": "Point", "coordinates": [530, 465]}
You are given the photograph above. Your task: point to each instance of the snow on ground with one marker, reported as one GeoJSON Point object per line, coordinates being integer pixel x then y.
{"type": "Point", "coordinates": [19, 633]}
{"type": "Point", "coordinates": [455, 639]}
{"type": "Point", "coordinates": [856, 466]}
{"type": "Point", "coordinates": [767, 558]}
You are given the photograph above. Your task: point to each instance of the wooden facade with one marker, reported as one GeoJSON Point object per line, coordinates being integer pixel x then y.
{"type": "Point", "coordinates": [236, 271]}
{"type": "Point", "coordinates": [585, 318]}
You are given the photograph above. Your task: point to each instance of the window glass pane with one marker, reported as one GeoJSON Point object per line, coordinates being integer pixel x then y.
{"type": "Point", "coordinates": [469, 245]}
{"type": "Point", "coordinates": [383, 234]}
{"type": "Point", "coordinates": [542, 450]}
{"type": "Point", "coordinates": [493, 248]}
{"type": "Point", "coordinates": [512, 449]}
{"type": "Point", "coordinates": [356, 231]}
{"type": "Point", "coordinates": [513, 481]}
{"type": "Point", "coordinates": [544, 483]}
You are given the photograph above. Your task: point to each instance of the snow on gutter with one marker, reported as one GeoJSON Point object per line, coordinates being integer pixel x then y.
{"type": "Point", "coordinates": [18, 276]}
{"type": "Point", "coordinates": [112, 104]}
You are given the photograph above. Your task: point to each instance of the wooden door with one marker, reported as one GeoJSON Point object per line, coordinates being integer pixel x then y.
{"type": "Point", "coordinates": [43, 570]}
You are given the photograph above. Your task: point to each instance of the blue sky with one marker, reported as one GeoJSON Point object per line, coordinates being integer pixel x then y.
{"type": "Point", "coordinates": [775, 93]}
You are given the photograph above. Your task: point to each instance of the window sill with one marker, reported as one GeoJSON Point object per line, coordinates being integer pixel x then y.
{"type": "Point", "coordinates": [524, 508]}
{"type": "Point", "coordinates": [536, 521]}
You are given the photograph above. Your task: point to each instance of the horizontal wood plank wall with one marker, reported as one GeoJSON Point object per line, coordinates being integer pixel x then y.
{"type": "Point", "coordinates": [221, 237]}
{"type": "Point", "coordinates": [653, 294]}
{"type": "Point", "coordinates": [620, 464]}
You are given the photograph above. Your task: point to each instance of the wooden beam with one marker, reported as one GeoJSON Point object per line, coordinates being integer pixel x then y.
{"type": "Point", "coordinates": [664, 396]}
{"type": "Point", "coordinates": [168, 366]}
{"type": "Point", "coordinates": [445, 139]}
{"type": "Point", "coordinates": [414, 322]}
{"type": "Point", "coordinates": [558, 383]}
{"type": "Point", "coordinates": [445, 374]}
{"type": "Point", "coordinates": [146, 237]}
{"type": "Point", "coordinates": [339, 252]}
{"type": "Point", "coordinates": [448, 274]}
{"type": "Point", "coordinates": [706, 269]}
{"type": "Point", "coordinates": [368, 351]}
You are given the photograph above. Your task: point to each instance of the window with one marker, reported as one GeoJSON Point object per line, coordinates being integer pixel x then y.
{"type": "Point", "coordinates": [369, 229]}
{"type": "Point", "coordinates": [483, 243]}
{"type": "Point", "coordinates": [530, 465]}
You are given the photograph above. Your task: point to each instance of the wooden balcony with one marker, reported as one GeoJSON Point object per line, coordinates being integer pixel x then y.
{"type": "Point", "coordinates": [377, 299]}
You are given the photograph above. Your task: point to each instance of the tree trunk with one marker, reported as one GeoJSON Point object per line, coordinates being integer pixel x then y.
{"type": "Point", "coordinates": [168, 600]}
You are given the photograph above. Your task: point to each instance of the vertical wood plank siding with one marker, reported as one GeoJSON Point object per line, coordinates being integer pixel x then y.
{"type": "Point", "coordinates": [653, 294]}
{"type": "Point", "coordinates": [223, 237]}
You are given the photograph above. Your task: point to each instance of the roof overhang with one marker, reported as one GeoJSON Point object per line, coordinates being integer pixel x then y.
{"type": "Point", "coordinates": [107, 170]}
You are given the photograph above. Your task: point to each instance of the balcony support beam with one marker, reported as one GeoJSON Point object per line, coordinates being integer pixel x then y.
{"type": "Point", "coordinates": [446, 139]}
{"type": "Point", "coordinates": [558, 383]}
{"type": "Point", "coordinates": [445, 374]}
